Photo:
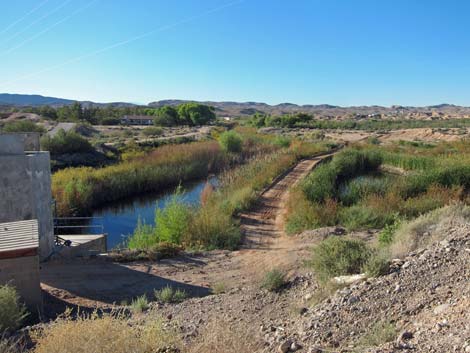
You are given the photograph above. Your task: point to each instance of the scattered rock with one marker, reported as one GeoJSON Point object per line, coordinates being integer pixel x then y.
{"type": "Point", "coordinates": [285, 346]}
{"type": "Point", "coordinates": [440, 309]}
{"type": "Point", "coordinates": [350, 279]}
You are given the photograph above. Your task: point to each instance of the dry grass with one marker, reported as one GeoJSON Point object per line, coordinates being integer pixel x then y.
{"type": "Point", "coordinates": [380, 333]}
{"type": "Point", "coordinates": [219, 288]}
{"type": "Point", "coordinates": [107, 334]}
{"type": "Point", "coordinates": [223, 337]}
{"type": "Point", "coordinates": [427, 228]}
{"type": "Point", "coordinates": [324, 292]}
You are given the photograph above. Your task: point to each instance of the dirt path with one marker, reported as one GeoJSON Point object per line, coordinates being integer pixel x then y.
{"type": "Point", "coordinates": [91, 283]}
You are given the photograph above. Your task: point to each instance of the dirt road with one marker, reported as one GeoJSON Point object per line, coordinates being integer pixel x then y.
{"type": "Point", "coordinates": [91, 283]}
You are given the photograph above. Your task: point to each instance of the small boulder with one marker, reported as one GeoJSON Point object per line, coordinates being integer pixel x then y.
{"type": "Point", "coordinates": [285, 346]}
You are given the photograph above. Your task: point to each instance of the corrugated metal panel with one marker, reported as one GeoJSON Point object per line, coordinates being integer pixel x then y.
{"type": "Point", "coordinates": [19, 235]}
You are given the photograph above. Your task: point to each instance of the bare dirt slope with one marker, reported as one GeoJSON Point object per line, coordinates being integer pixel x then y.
{"type": "Point", "coordinates": [95, 282]}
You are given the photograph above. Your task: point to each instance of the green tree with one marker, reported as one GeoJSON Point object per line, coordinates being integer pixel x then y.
{"type": "Point", "coordinates": [195, 113]}
{"type": "Point", "coordinates": [166, 116]}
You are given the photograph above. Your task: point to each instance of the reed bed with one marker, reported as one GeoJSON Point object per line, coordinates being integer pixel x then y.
{"type": "Point", "coordinates": [350, 190]}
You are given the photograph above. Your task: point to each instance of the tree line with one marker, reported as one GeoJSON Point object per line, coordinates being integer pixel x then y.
{"type": "Point", "coordinates": [303, 120]}
{"type": "Point", "coordinates": [183, 114]}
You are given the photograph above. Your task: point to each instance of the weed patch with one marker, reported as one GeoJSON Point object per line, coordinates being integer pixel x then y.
{"type": "Point", "coordinates": [337, 256]}
{"type": "Point", "coordinates": [379, 334]}
{"type": "Point", "coordinates": [170, 295]}
{"type": "Point", "coordinates": [12, 311]}
{"type": "Point", "coordinates": [140, 304]}
{"type": "Point", "coordinates": [274, 280]}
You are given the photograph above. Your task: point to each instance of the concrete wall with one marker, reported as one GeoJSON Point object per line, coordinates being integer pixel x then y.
{"type": "Point", "coordinates": [25, 188]}
{"type": "Point", "coordinates": [23, 273]}
{"type": "Point", "coordinates": [11, 144]}
{"type": "Point", "coordinates": [40, 172]}
{"type": "Point", "coordinates": [16, 189]}
{"type": "Point", "coordinates": [18, 142]}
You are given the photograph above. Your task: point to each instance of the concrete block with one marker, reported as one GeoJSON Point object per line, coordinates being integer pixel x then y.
{"type": "Point", "coordinates": [11, 144]}
{"type": "Point", "coordinates": [23, 274]}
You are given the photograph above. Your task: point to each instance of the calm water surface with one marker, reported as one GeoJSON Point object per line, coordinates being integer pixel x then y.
{"type": "Point", "coordinates": [120, 218]}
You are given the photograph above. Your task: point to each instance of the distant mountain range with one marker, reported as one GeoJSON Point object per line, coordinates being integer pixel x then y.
{"type": "Point", "coordinates": [245, 108]}
{"type": "Point", "coordinates": [31, 100]}
{"type": "Point", "coordinates": [36, 100]}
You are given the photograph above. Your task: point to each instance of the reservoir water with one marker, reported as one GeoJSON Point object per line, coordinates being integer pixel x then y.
{"type": "Point", "coordinates": [120, 218]}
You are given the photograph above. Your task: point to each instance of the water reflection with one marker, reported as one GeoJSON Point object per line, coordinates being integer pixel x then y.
{"type": "Point", "coordinates": [120, 218]}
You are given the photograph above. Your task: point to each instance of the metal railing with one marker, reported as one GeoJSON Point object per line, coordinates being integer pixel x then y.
{"type": "Point", "coordinates": [77, 225]}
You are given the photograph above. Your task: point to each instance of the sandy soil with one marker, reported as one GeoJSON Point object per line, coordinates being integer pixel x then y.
{"type": "Point", "coordinates": [425, 134]}
{"type": "Point", "coordinates": [101, 283]}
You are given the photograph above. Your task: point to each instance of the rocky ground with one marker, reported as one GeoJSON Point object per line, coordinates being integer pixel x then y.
{"type": "Point", "coordinates": [423, 305]}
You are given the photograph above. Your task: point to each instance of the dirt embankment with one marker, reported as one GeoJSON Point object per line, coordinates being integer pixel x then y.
{"type": "Point", "coordinates": [97, 283]}
{"type": "Point", "coordinates": [423, 304]}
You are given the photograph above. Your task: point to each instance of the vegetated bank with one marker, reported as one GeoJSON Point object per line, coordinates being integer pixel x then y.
{"type": "Point", "coordinates": [304, 120]}
{"type": "Point", "coordinates": [214, 223]}
{"type": "Point", "coordinates": [353, 191]}
{"type": "Point", "coordinates": [79, 190]}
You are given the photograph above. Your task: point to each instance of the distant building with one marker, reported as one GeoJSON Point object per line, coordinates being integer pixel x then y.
{"type": "Point", "coordinates": [137, 120]}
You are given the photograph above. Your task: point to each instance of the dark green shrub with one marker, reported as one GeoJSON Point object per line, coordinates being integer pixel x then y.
{"type": "Point", "coordinates": [337, 256]}
{"type": "Point", "coordinates": [230, 141]}
{"type": "Point", "coordinates": [66, 142]}
{"type": "Point", "coordinates": [23, 126]}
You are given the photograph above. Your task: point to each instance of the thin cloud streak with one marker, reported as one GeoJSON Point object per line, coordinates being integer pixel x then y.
{"type": "Point", "coordinates": [124, 42]}
{"type": "Point", "coordinates": [23, 17]}
{"type": "Point", "coordinates": [66, 18]}
{"type": "Point", "coordinates": [46, 15]}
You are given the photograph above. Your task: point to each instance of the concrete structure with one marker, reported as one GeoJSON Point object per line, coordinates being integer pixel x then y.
{"type": "Point", "coordinates": [19, 261]}
{"type": "Point", "coordinates": [25, 186]}
{"type": "Point", "coordinates": [84, 245]}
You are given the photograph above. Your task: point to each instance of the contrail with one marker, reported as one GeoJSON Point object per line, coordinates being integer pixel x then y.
{"type": "Point", "coordinates": [37, 21]}
{"type": "Point", "coordinates": [48, 28]}
{"type": "Point", "coordinates": [124, 42]}
{"type": "Point", "coordinates": [23, 17]}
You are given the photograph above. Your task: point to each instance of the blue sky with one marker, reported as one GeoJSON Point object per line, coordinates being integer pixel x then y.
{"type": "Point", "coordinates": [344, 52]}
